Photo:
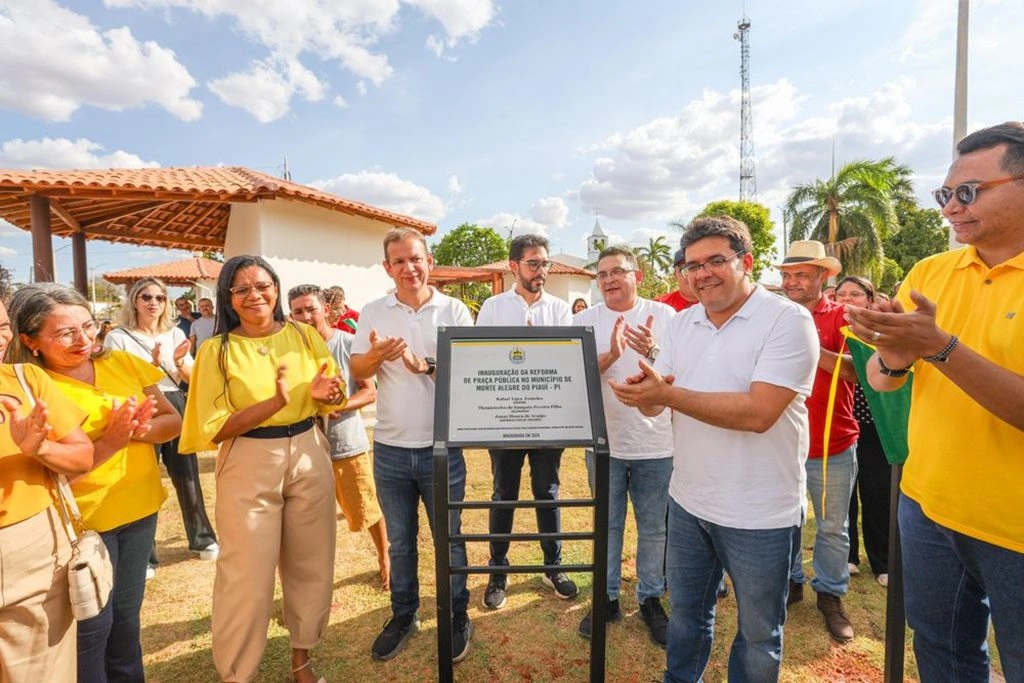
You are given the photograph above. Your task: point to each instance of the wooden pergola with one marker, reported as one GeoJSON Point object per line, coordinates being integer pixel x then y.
{"type": "Point", "coordinates": [173, 208]}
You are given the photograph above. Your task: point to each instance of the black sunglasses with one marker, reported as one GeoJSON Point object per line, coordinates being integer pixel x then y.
{"type": "Point", "coordinates": [967, 193]}
{"type": "Point", "coordinates": [147, 297]}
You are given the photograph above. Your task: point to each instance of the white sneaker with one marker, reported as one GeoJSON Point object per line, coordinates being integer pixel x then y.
{"type": "Point", "coordinates": [854, 569]}
{"type": "Point", "coordinates": [209, 553]}
{"type": "Point", "coordinates": [883, 580]}
{"type": "Point", "coordinates": [150, 573]}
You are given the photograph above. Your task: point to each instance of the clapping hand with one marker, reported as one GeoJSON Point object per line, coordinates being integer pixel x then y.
{"type": "Point", "coordinates": [28, 432]}
{"type": "Point", "coordinates": [329, 390]}
{"type": "Point", "coordinates": [386, 348]}
{"type": "Point", "coordinates": [640, 338]}
{"type": "Point", "coordinates": [644, 389]}
{"type": "Point", "coordinates": [180, 351]}
{"type": "Point", "coordinates": [121, 424]}
{"type": "Point", "coordinates": [143, 417]}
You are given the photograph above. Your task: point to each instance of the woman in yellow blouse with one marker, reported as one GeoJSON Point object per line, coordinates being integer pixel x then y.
{"type": "Point", "coordinates": [120, 495]}
{"type": "Point", "coordinates": [37, 630]}
{"type": "Point", "coordinates": [256, 389]}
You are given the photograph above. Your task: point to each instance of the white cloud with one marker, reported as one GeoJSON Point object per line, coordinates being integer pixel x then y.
{"type": "Point", "coordinates": [346, 32]}
{"type": "Point", "coordinates": [454, 186]}
{"type": "Point", "coordinates": [340, 102]}
{"type": "Point", "coordinates": [550, 211]}
{"type": "Point", "coordinates": [388, 191]}
{"type": "Point", "coordinates": [361, 87]}
{"type": "Point", "coordinates": [512, 224]}
{"type": "Point", "coordinates": [64, 153]}
{"type": "Point", "coordinates": [56, 61]}
{"type": "Point", "coordinates": [7, 251]}
{"type": "Point", "coordinates": [266, 89]}
{"type": "Point", "coordinates": [670, 167]}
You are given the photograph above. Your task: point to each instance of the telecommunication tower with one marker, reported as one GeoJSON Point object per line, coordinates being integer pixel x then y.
{"type": "Point", "coordinates": [748, 183]}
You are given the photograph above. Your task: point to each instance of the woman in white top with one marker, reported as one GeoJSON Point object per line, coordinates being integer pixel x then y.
{"type": "Point", "coordinates": [148, 332]}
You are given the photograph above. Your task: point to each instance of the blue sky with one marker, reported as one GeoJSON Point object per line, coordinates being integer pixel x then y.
{"type": "Point", "coordinates": [544, 113]}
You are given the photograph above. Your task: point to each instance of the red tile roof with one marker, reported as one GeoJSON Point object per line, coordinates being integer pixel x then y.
{"type": "Point", "coordinates": [182, 272]}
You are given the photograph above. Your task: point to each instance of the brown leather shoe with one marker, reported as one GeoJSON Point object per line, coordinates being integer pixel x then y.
{"type": "Point", "coordinates": [796, 593]}
{"type": "Point", "coordinates": [836, 621]}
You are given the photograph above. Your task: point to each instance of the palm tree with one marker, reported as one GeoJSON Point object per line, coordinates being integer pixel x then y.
{"type": "Point", "coordinates": [851, 212]}
{"type": "Point", "coordinates": [657, 253]}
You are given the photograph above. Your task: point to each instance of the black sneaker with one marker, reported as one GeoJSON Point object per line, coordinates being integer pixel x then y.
{"type": "Point", "coordinates": [796, 593]}
{"type": "Point", "coordinates": [613, 613]}
{"type": "Point", "coordinates": [392, 639]}
{"type": "Point", "coordinates": [654, 616]}
{"type": "Point", "coordinates": [494, 596]}
{"type": "Point", "coordinates": [462, 631]}
{"type": "Point", "coordinates": [563, 585]}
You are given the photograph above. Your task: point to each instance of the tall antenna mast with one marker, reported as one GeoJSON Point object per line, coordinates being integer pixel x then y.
{"type": "Point", "coordinates": [748, 183]}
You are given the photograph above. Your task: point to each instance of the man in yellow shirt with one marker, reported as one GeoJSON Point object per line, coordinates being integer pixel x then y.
{"type": "Point", "coordinates": [958, 322]}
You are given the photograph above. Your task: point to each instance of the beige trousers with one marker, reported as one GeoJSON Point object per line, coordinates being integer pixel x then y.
{"type": "Point", "coordinates": [38, 635]}
{"type": "Point", "coordinates": [275, 508]}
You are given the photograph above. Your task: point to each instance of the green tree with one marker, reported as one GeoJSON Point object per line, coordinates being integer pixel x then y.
{"type": "Point", "coordinates": [852, 212]}
{"type": "Point", "coordinates": [887, 275]}
{"type": "Point", "coordinates": [920, 234]}
{"type": "Point", "coordinates": [657, 254]}
{"type": "Point", "coordinates": [758, 219]}
{"type": "Point", "coordinates": [470, 245]}
{"type": "Point", "coordinates": [6, 280]}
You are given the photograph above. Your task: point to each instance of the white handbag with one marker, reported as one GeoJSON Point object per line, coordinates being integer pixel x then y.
{"type": "Point", "coordinates": [90, 574]}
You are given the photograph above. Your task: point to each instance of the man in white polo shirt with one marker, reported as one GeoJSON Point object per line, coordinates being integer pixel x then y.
{"type": "Point", "coordinates": [397, 342]}
{"type": "Point", "coordinates": [735, 371]}
{"type": "Point", "coordinates": [626, 329]}
{"type": "Point", "coordinates": [526, 304]}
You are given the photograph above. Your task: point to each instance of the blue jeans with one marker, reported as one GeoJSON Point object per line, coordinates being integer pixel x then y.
{"type": "Point", "coordinates": [953, 583]}
{"type": "Point", "coordinates": [109, 648]}
{"type": "Point", "coordinates": [758, 562]}
{"type": "Point", "coordinates": [646, 483]}
{"type": "Point", "coordinates": [404, 477]}
{"type": "Point", "coordinates": [832, 538]}
{"type": "Point", "coordinates": [507, 470]}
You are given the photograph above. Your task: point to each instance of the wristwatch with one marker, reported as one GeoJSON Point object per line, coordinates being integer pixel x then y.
{"type": "Point", "coordinates": [431, 365]}
{"type": "Point", "coordinates": [943, 355]}
{"type": "Point", "coordinates": [892, 372]}
{"type": "Point", "coordinates": [652, 355]}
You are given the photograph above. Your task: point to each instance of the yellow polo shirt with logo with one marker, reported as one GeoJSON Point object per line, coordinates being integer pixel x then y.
{"type": "Point", "coordinates": [25, 483]}
{"type": "Point", "coordinates": [126, 487]}
{"type": "Point", "coordinates": [966, 466]}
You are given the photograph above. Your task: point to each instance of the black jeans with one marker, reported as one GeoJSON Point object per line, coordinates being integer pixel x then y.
{"type": "Point", "coordinates": [507, 469]}
{"type": "Point", "coordinates": [184, 473]}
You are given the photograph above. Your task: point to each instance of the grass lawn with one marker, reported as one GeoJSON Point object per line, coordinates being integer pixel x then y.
{"type": "Point", "coordinates": [532, 639]}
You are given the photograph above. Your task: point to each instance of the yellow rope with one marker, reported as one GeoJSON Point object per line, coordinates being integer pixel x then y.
{"type": "Point", "coordinates": [829, 411]}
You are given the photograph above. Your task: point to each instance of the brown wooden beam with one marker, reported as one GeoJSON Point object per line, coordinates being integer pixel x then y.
{"type": "Point", "coordinates": [113, 216]}
{"type": "Point", "coordinates": [63, 214]}
{"type": "Point", "coordinates": [42, 236]}
{"type": "Point", "coordinates": [196, 223]}
{"type": "Point", "coordinates": [79, 260]}
{"type": "Point", "coordinates": [155, 238]}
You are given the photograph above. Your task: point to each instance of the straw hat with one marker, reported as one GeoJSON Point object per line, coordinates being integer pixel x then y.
{"type": "Point", "coordinates": [810, 253]}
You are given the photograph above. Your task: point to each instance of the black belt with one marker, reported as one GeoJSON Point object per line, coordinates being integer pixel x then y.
{"type": "Point", "coordinates": [280, 432]}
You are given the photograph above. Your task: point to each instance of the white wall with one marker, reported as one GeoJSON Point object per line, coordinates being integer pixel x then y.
{"type": "Point", "coordinates": [307, 244]}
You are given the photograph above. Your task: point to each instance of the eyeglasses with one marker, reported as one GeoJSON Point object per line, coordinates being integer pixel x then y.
{"type": "Point", "coordinates": [534, 264]}
{"type": "Point", "coordinates": [615, 272]}
{"type": "Point", "coordinates": [713, 264]}
{"type": "Point", "coordinates": [967, 193]}
{"type": "Point", "coordinates": [69, 336]}
{"type": "Point", "coordinates": [145, 296]}
{"type": "Point", "coordinates": [246, 290]}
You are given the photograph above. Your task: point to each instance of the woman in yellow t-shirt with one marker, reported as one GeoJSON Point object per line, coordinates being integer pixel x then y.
{"type": "Point", "coordinates": [256, 390]}
{"type": "Point", "coordinates": [120, 495]}
{"type": "Point", "coordinates": [37, 630]}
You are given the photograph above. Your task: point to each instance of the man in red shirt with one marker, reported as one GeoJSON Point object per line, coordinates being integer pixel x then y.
{"type": "Point", "coordinates": [683, 297]}
{"type": "Point", "coordinates": [805, 271]}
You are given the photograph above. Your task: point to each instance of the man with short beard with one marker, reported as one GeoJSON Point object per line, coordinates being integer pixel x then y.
{"type": "Point", "coordinates": [526, 304]}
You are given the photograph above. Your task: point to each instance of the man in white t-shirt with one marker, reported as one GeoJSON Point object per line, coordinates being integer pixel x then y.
{"type": "Point", "coordinates": [202, 327]}
{"type": "Point", "coordinates": [526, 304]}
{"type": "Point", "coordinates": [735, 370]}
{"type": "Point", "coordinates": [397, 342]}
{"type": "Point", "coordinates": [626, 328]}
